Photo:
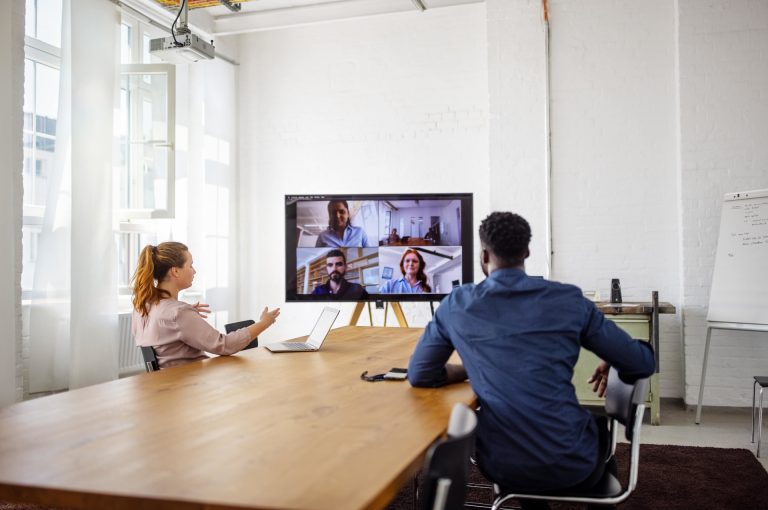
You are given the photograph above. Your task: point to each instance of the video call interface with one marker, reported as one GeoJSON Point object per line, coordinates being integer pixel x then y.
{"type": "Point", "coordinates": [347, 249]}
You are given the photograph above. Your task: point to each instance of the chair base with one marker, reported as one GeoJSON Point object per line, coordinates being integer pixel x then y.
{"type": "Point", "coordinates": [761, 382]}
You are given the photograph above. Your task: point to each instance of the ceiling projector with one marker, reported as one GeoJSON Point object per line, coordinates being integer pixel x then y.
{"type": "Point", "coordinates": [183, 49]}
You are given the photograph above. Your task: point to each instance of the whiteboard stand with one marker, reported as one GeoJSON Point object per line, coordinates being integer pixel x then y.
{"type": "Point", "coordinates": [720, 325]}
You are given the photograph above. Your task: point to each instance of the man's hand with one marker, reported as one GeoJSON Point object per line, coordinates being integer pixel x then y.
{"type": "Point", "coordinates": [455, 373]}
{"type": "Point", "coordinates": [599, 379]}
{"type": "Point", "coordinates": [202, 308]}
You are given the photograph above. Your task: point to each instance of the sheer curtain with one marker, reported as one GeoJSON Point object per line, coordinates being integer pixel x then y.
{"type": "Point", "coordinates": [73, 312]}
{"type": "Point", "coordinates": [206, 197]}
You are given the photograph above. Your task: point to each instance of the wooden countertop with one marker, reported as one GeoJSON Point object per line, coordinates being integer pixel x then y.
{"type": "Point", "coordinates": [633, 307]}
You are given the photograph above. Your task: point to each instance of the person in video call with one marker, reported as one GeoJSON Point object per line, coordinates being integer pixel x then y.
{"type": "Point", "coordinates": [340, 232]}
{"type": "Point", "coordinates": [337, 285]}
{"type": "Point", "coordinates": [393, 237]}
{"type": "Point", "coordinates": [433, 234]}
{"type": "Point", "coordinates": [519, 338]}
{"type": "Point", "coordinates": [176, 330]}
{"type": "Point", "coordinates": [414, 280]}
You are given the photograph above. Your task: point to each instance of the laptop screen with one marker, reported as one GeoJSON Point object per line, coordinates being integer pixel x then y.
{"type": "Point", "coordinates": [322, 326]}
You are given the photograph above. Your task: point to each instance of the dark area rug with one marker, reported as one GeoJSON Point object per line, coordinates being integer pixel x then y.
{"type": "Point", "coordinates": [670, 478]}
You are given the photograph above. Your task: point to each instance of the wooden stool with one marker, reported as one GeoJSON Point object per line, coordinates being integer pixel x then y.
{"type": "Point", "coordinates": [757, 412]}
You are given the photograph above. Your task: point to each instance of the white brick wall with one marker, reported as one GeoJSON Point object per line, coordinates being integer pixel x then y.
{"type": "Point", "coordinates": [11, 100]}
{"type": "Point", "coordinates": [517, 87]}
{"type": "Point", "coordinates": [392, 103]}
{"type": "Point", "coordinates": [724, 121]}
{"type": "Point", "coordinates": [614, 179]}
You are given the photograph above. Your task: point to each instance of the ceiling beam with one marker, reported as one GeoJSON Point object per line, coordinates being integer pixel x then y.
{"type": "Point", "coordinates": [270, 19]}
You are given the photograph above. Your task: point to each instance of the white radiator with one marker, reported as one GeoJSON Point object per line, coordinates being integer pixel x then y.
{"type": "Point", "coordinates": [129, 356]}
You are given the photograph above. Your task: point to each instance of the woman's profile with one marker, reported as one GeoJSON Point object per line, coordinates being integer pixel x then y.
{"type": "Point", "coordinates": [414, 280]}
{"type": "Point", "coordinates": [177, 330]}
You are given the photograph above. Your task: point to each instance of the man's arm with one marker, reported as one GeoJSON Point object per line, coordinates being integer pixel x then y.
{"type": "Point", "coordinates": [429, 365]}
{"type": "Point", "coordinates": [633, 359]}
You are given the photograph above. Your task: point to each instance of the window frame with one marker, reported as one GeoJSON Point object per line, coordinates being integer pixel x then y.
{"type": "Point", "coordinates": [135, 122]}
{"type": "Point", "coordinates": [37, 52]}
{"type": "Point", "coordinates": [139, 31]}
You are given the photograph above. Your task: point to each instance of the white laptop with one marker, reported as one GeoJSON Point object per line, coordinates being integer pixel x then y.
{"type": "Point", "coordinates": [316, 337]}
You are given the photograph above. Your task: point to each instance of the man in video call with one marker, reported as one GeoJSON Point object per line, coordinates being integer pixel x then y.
{"type": "Point", "coordinates": [519, 338]}
{"type": "Point", "coordinates": [336, 265]}
{"type": "Point", "coordinates": [340, 232]}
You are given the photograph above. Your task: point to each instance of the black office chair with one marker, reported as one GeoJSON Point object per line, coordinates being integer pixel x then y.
{"type": "Point", "coordinates": [625, 404]}
{"type": "Point", "coordinates": [150, 359]}
{"type": "Point", "coordinates": [234, 326]}
{"type": "Point", "coordinates": [446, 468]}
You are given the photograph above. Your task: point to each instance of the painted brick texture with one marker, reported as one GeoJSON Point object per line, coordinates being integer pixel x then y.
{"type": "Point", "coordinates": [723, 121]}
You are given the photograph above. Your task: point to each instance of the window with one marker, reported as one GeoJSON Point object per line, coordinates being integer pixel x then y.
{"type": "Point", "coordinates": [144, 129]}
{"type": "Point", "coordinates": [143, 155]}
{"type": "Point", "coordinates": [144, 159]}
{"type": "Point", "coordinates": [42, 52]}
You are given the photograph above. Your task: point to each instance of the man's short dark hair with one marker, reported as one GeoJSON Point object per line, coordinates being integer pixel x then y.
{"type": "Point", "coordinates": [336, 253]}
{"type": "Point", "coordinates": [507, 236]}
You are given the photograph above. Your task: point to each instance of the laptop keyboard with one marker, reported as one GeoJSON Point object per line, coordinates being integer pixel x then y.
{"type": "Point", "coordinates": [297, 346]}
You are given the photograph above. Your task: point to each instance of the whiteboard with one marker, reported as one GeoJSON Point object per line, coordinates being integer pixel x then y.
{"type": "Point", "coordinates": [740, 281]}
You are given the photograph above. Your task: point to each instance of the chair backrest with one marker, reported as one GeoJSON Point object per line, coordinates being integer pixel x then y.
{"type": "Point", "coordinates": [150, 359]}
{"type": "Point", "coordinates": [622, 400]}
{"type": "Point", "coordinates": [234, 326]}
{"type": "Point", "coordinates": [446, 468]}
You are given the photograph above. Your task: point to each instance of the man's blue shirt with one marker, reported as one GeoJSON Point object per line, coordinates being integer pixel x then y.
{"type": "Point", "coordinates": [519, 339]}
{"type": "Point", "coordinates": [353, 236]}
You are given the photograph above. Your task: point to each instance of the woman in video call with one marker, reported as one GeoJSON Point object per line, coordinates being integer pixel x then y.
{"type": "Point", "coordinates": [176, 330]}
{"type": "Point", "coordinates": [414, 280]}
{"type": "Point", "coordinates": [340, 232]}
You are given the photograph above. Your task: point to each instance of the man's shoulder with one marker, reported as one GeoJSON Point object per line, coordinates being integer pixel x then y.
{"type": "Point", "coordinates": [321, 289]}
{"type": "Point", "coordinates": [567, 288]}
{"type": "Point", "coordinates": [355, 290]}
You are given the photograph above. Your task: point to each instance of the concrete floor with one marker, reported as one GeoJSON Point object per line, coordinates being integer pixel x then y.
{"type": "Point", "coordinates": [721, 427]}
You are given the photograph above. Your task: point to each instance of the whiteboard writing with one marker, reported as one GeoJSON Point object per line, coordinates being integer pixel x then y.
{"type": "Point", "coordinates": [739, 290]}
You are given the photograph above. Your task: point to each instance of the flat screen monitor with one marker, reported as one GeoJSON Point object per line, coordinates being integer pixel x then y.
{"type": "Point", "coordinates": [384, 247]}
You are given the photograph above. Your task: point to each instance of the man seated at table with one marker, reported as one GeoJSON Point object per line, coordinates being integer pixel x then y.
{"type": "Point", "coordinates": [337, 285]}
{"type": "Point", "coordinates": [519, 339]}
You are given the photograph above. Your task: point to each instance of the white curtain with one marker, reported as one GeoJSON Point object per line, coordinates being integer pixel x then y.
{"type": "Point", "coordinates": [206, 171]}
{"type": "Point", "coordinates": [73, 314]}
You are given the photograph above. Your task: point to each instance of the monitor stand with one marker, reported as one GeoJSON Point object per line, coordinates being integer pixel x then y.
{"type": "Point", "coordinates": [396, 309]}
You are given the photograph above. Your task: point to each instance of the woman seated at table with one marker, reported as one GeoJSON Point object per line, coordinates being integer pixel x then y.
{"type": "Point", "coordinates": [176, 330]}
{"type": "Point", "coordinates": [414, 280]}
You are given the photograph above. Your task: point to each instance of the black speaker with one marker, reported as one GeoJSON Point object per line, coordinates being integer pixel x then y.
{"type": "Point", "coordinates": [615, 291]}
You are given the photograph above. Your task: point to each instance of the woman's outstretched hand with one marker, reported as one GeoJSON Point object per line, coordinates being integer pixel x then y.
{"type": "Point", "coordinates": [268, 317]}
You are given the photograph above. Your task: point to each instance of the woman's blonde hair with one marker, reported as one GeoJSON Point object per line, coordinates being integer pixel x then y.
{"type": "Point", "coordinates": [154, 264]}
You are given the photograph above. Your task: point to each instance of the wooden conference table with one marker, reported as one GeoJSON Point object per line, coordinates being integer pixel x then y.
{"type": "Point", "coordinates": [254, 430]}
